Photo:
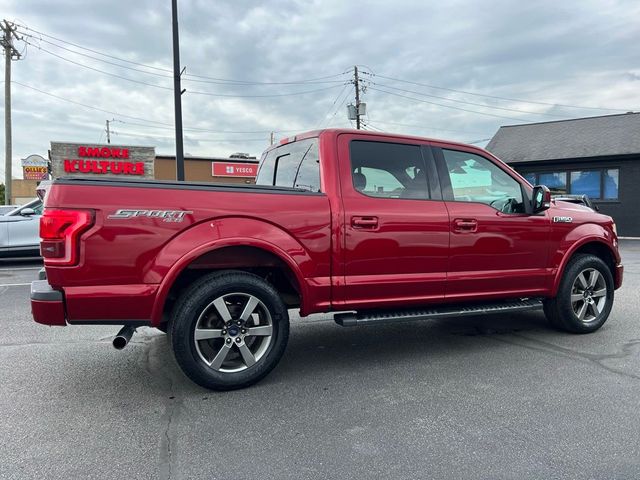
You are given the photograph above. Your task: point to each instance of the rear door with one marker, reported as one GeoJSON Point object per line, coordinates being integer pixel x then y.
{"type": "Point", "coordinates": [396, 232]}
{"type": "Point", "coordinates": [497, 250]}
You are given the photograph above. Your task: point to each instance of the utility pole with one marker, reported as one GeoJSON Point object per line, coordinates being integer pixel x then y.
{"type": "Point", "coordinates": [177, 93]}
{"type": "Point", "coordinates": [10, 53]}
{"type": "Point", "coordinates": [108, 132]}
{"type": "Point", "coordinates": [357, 85]}
{"type": "Point", "coordinates": [271, 141]}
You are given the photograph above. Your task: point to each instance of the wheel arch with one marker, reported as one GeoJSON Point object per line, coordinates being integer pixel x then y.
{"type": "Point", "coordinates": [593, 245]}
{"type": "Point", "coordinates": [231, 243]}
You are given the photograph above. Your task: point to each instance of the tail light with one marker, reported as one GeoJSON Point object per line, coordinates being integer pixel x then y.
{"type": "Point", "coordinates": [60, 230]}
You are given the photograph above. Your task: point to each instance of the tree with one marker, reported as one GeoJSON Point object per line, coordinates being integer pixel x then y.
{"type": "Point", "coordinates": [1, 193]}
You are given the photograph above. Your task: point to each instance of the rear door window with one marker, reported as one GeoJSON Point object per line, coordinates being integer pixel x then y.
{"type": "Point", "coordinates": [295, 165]}
{"type": "Point", "coordinates": [388, 170]}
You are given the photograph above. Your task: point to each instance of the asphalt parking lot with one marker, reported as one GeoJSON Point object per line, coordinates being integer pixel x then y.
{"type": "Point", "coordinates": [488, 397]}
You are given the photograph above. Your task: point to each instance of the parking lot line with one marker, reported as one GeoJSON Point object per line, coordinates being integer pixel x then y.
{"type": "Point", "coordinates": [14, 284]}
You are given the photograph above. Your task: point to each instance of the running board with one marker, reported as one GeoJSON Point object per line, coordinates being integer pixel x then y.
{"type": "Point", "coordinates": [376, 316]}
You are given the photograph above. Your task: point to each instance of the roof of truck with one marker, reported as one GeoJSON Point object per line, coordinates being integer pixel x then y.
{"type": "Point", "coordinates": [369, 133]}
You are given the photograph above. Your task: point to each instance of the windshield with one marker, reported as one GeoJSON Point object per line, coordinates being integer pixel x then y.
{"type": "Point", "coordinates": [36, 204]}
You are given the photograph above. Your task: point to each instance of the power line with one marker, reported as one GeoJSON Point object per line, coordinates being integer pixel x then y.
{"type": "Point", "coordinates": [156, 123]}
{"type": "Point", "coordinates": [217, 82]}
{"type": "Point", "coordinates": [191, 139]}
{"type": "Point", "coordinates": [87, 106]}
{"type": "Point", "coordinates": [479, 141]}
{"type": "Point", "coordinates": [167, 70]}
{"type": "Point", "coordinates": [427, 127]}
{"type": "Point", "coordinates": [227, 95]}
{"type": "Point", "coordinates": [496, 96]}
{"type": "Point", "coordinates": [340, 105]}
{"type": "Point", "coordinates": [449, 106]}
{"type": "Point", "coordinates": [469, 103]}
{"type": "Point", "coordinates": [96, 69]}
{"type": "Point", "coordinates": [88, 56]}
{"type": "Point", "coordinates": [367, 125]}
{"type": "Point", "coordinates": [206, 130]}
{"type": "Point", "coordinates": [332, 105]}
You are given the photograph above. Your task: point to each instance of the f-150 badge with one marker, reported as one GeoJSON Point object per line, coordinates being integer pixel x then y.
{"type": "Point", "coordinates": [562, 219]}
{"type": "Point", "coordinates": [171, 216]}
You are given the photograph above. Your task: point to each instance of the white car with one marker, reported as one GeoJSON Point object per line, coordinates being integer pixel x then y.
{"type": "Point", "coordinates": [4, 209]}
{"type": "Point", "coordinates": [20, 230]}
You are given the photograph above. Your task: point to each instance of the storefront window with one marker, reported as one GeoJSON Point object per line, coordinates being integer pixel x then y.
{"type": "Point", "coordinates": [611, 184]}
{"type": "Point", "coordinates": [586, 183]}
{"type": "Point", "coordinates": [530, 177]}
{"type": "Point", "coordinates": [597, 184]}
{"type": "Point", "coordinates": [557, 181]}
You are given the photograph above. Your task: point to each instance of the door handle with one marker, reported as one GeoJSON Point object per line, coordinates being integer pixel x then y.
{"type": "Point", "coordinates": [364, 222]}
{"type": "Point", "coordinates": [465, 225]}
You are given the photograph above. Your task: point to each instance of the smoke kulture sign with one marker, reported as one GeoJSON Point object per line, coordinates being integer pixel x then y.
{"type": "Point", "coordinates": [82, 160]}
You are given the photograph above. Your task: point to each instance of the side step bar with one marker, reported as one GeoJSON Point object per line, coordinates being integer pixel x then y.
{"type": "Point", "coordinates": [365, 318]}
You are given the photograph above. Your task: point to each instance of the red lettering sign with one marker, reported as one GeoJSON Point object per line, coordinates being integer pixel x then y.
{"type": "Point", "coordinates": [229, 169]}
{"type": "Point", "coordinates": [103, 152]}
{"type": "Point", "coordinates": [103, 166]}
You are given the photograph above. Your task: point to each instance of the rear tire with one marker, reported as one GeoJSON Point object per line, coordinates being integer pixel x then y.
{"type": "Point", "coordinates": [228, 330]}
{"type": "Point", "coordinates": [584, 298]}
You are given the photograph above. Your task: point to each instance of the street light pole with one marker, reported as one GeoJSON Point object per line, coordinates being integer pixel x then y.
{"type": "Point", "coordinates": [177, 93]}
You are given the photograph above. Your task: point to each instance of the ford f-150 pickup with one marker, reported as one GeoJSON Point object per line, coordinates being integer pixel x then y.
{"type": "Point", "coordinates": [374, 227]}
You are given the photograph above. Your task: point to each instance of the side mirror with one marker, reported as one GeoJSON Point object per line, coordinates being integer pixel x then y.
{"type": "Point", "coordinates": [27, 212]}
{"type": "Point", "coordinates": [541, 198]}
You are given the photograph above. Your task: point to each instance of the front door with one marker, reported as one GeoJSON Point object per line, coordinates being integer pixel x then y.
{"type": "Point", "coordinates": [496, 249]}
{"type": "Point", "coordinates": [395, 229]}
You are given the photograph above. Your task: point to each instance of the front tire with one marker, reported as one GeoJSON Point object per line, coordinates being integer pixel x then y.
{"type": "Point", "coordinates": [229, 329]}
{"type": "Point", "coordinates": [585, 296]}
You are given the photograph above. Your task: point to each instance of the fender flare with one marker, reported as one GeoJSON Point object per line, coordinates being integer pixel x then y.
{"type": "Point", "coordinates": [185, 261]}
{"type": "Point", "coordinates": [591, 238]}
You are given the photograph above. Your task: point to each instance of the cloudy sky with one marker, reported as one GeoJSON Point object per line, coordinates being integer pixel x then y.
{"type": "Point", "coordinates": [454, 69]}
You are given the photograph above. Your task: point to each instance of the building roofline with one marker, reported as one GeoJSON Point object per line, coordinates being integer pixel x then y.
{"type": "Point", "coordinates": [569, 120]}
{"type": "Point", "coordinates": [209, 159]}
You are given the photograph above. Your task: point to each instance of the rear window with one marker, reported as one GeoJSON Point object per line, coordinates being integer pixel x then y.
{"type": "Point", "coordinates": [294, 165]}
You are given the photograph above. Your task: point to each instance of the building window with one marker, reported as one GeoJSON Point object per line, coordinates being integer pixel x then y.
{"type": "Point", "coordinates": [611, 184]}
{"type": "Point", "coordinates": [556, 181]}
{"type": "Point", "coordinates": [586, 183]}
{"type": "Point", "coordinates": [598, 184]}
{"type": "Point", "coordinates": [530, 177]}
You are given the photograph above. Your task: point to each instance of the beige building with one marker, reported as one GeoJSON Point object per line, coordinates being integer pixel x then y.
{"type": "Point", "coordinates": [23, 191]}
{"type": "Point", "coordinates": [208, 169]}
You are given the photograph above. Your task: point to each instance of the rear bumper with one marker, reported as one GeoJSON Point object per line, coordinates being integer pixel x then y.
{"type": "Point", "coordinates": [47, 304]}
{"type": "Point", "coordinates": [619, 273]}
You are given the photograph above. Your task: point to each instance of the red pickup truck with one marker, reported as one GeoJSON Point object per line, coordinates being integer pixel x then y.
{"type": "Point", "coordinates": [376, 227]}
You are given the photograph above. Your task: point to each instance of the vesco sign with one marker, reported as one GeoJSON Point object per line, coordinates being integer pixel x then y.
{"type": "Point", "coordinates": [233, 169]}
{"type": "Point", "coordinates": [72, 159]}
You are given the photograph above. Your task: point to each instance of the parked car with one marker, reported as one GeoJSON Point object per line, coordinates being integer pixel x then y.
{"type": "Point", "coordinates": [577, 199]}
{"type": "Point", "coordinates": [19, 230]}
{"type": "Point", "coordinates": [4, 209]}
{"type": "Point", "coordinates": [378, 227]}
